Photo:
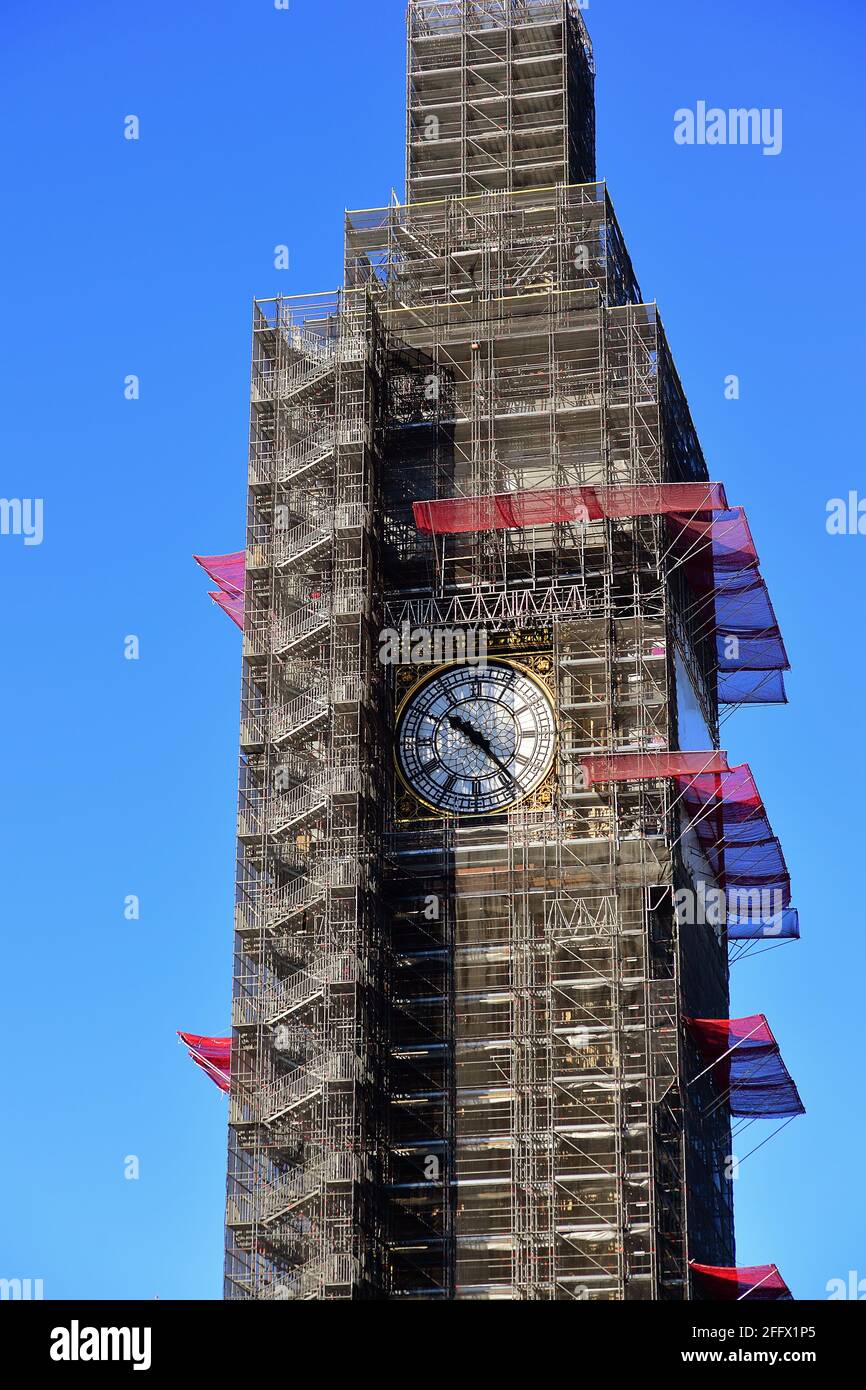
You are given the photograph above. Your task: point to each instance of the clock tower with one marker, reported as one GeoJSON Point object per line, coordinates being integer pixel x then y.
{"type": "Point", "coordinates": [457, 1052]}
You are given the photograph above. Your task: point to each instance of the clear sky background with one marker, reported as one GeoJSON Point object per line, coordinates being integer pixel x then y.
{"type": "Point", "coordinates": [259, 127]}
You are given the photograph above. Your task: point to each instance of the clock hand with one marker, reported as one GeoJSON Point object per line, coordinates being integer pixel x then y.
{"type": "Point", "coordinates": [476, 737]}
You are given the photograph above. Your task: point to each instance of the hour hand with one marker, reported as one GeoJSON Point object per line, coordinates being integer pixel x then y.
{"type": "Point", "coordinates": [480, 741]}
{"type": "Point", "coordinates": [464, 727]}
{"type": "Point", "coordinates": [469, 731]}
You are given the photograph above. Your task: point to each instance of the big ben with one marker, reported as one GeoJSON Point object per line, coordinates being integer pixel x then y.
{"type": "Point", "coordinates": [462, 1064]}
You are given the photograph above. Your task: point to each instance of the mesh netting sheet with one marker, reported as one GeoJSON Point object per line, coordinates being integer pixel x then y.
{"type": "Point", "coordinates": [722, 1284]}
{"type": "Point", "coordinates": [229, 572]}
{"type": "Point", "coordinates": [747, 1066]}
{"type": "Point", "coordinates": [213, 1055]}
{"type": "Point", "coordinates": [731, 598]}
{"type": "Point", "coordinates": [722, 806]}
{"type": "Point", "coordinates": [752, 688]}
{"type": "Point", "coordinates": [753, 922]}
{"type": "Point", "coordinates": [555, 506]}
{"type": "Point", "coordinates": [232, 604]}
{"type": "Point", "coordinates": [727, 814]}
{"type": "Point", "coordinates": [639, 767]}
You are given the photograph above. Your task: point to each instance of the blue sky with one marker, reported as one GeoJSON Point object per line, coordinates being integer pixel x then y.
{"type": "Point", "coordinates": [258, 127]}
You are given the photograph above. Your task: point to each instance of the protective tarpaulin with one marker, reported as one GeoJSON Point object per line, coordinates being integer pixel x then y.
{"type": "Point", "coordinates": [229, 572]}
{"type": "Point", "coordinates": [722, 806]}
{"type": "Point", "coordinates": [747, 1066]}
{"type": "Point", "coordinates": [749, 1283]}
{"type": "Point", "coordinates": [752, 688]}
{"type": "Point", "coordinates": [731, 597]}
{"type": "Point", "coordinates": [642, 767]}
{"type": "Point", "coordinates": [557, 506]}
{"type": "Point", "coordinates": [721, 543]}
{"type": "Point", "coordinates": [232, 604]}
{"type": "Point", "coordinates": [755, 926]}
{"type": "Point", "coordinates": [213, 1055]}
{"type": "Point", "coordinates": [727, 814]}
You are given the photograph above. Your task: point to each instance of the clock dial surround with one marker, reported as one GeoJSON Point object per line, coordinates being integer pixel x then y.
{"type": "Point", "coordinates": [475, 740]}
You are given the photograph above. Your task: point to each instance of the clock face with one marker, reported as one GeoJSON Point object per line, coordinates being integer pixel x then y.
{"type": "Point", "coordinates": [473, 740]}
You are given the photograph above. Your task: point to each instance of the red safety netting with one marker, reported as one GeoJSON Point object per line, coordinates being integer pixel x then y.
{"type": "Point", "coordinates": [229, 572]}
{"type": "Point", "coordinates": [651, 766]}
{"type": "Point", "coordinates": [213, 1055]}
{"type": "Point", "coordinates": [724, 809]}
{"type": "Point", "coordinates": [232, 604]}
{"type": "Point", "coordinates": [728, 816]}
{"type": "Point", "coordinates": [713, 542]}
{"type": "Point", "coordinates": [726, 1285]}
{"type": "Point", "coordinates": [746, 1065]}
{"type": "Point", "coordinates": [641, 767]}
{"type": "Point", "coordinates": [555, 506]}
{"type": "Point", "coordinates": [731, 599]}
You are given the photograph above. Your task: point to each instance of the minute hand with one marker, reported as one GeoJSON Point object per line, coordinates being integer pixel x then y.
{"type": "Point", "coordinates": [476, 737]}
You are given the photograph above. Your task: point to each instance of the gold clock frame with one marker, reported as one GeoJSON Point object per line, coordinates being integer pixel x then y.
{"type": "Point", "coordinates": [538, 668]}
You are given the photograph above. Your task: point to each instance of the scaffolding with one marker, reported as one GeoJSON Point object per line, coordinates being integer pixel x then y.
{"type": "Point", "coordinates": [500, 94]}
{"type": "Point", "coordinates": [457, 1055]}
{"type": "Point", "coordinates": [535, 1029]}
{"type": "Point", "coordinates": [299, 1220]}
